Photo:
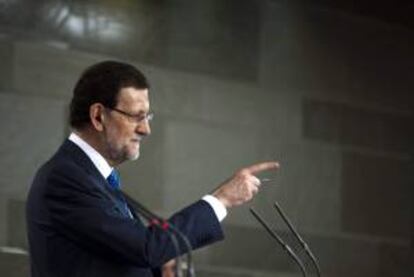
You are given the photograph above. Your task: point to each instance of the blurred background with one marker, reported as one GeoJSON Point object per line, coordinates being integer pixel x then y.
{"type": "Point", "coordinates": [325, 87]}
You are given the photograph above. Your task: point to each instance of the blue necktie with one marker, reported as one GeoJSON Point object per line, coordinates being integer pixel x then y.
{"type": "Point", "coordinates": [115, 183]}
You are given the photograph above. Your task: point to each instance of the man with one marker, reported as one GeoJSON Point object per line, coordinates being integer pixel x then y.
{"type": "Point", "coordinates": [79, 223]}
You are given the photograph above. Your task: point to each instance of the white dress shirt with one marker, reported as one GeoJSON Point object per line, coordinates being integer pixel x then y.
{"type": "Point", "coordinates": [105, 169]}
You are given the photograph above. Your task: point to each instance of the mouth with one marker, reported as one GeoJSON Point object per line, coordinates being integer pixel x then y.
{"type": "Point", "coordinates": [136, 140]}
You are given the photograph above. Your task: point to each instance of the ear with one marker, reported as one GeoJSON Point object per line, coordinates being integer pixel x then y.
{"type": "Point", "coordinates": [97, 116]}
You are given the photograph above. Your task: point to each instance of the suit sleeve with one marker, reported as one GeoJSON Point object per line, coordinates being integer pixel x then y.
{"type": "Point", "coordinates": [81, 213]}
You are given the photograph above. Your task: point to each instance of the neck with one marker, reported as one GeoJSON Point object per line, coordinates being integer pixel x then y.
{"type": "Point", "coordinates": [95, 140]}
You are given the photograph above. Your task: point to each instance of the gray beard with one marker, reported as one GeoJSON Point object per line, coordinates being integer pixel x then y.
{"type": "Point", "coordinates": [135, 157]}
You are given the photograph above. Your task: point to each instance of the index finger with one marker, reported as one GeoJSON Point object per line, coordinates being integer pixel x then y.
{"type": "Point", "coordinates": [259, 167]}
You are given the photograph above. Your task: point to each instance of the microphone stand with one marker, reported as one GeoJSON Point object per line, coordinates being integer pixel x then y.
{"type": "Point", "coordinates": [299, 238]}
{"type": "Point", "coordinates": [279, 240]}
{"type": "Point", "coordinates": [165, 225]}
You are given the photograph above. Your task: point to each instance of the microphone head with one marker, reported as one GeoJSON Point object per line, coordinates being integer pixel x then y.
{"type": "Point", "coordinates": [154, 222]}
{"type": "Point", "coordinates": [165, 225]}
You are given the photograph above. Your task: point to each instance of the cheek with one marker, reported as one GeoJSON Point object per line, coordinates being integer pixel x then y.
{"type": "Point", "coordinates": [124, 136]}
{"type": "Point", "coordinates": [119, 135]}
{"type": "Point", "coordinates": [121, 132]}
{"type": "Point", "coordinates": [115, 136]}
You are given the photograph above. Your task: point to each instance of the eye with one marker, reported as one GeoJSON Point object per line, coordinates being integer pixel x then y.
{"type": "Point", "coordinates": [140, 117]}
{"type": "Point", "coordinates": [143, 116]}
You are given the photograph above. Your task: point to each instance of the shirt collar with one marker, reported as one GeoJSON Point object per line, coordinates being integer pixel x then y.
{"type": "Point", "coordinates": [97, 159]}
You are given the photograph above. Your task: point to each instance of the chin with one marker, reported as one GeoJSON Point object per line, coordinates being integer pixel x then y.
{"type": "Point", "coordinates": [133, 157]}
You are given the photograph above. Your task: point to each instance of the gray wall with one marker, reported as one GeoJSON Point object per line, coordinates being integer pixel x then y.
{"type": "Point", "coordinates": [326, 92]}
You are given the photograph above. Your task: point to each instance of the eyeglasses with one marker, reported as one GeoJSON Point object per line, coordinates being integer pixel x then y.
{"type": "Point", "coordinates": [137, 118]}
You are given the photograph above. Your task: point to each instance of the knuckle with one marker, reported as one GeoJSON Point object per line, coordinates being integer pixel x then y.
{"type": "Point", "coordinates": [243, 172]}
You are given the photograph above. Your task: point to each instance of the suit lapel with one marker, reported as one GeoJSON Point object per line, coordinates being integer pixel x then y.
{"type": "Point", "coordinates": [74, 152]}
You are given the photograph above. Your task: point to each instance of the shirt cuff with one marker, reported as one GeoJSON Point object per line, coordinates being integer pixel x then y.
{"type": "Point", "coordinates": [218, 207]}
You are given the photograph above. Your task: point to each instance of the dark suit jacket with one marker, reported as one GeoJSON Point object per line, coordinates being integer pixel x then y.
{"type": "Point", "coordinates": [76, 229]}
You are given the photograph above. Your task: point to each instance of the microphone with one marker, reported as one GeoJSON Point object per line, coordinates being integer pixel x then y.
{"type": "Point", "coordinates": [156, 220]}
{"type": "Point", "coordinates": [299, 238]}
{"type": "Point", "coordinates": [163, 225]}
{"type": "Point", "coordinates": [173, 238]}
{"type": "Point", "coordinates": [279, 240]}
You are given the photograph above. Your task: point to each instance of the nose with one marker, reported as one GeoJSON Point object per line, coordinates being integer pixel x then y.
{"type": "Point", "coordinates": [144, 128]}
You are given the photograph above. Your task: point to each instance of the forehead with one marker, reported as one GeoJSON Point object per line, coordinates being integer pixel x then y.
{"type": "Point", "coordinates": [133, 99]}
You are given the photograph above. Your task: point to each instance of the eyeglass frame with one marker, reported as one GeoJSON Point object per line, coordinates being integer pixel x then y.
{"type": "Point", "coordinates": [137, 118]}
